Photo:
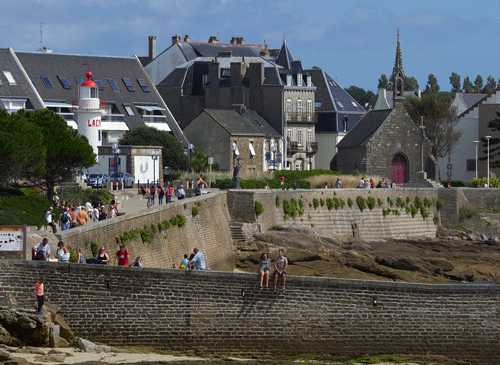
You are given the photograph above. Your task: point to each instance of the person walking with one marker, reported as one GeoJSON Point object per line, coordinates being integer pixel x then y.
{"type": "Point", "coordinates": [198, 260]}
{"type": "Point", "coordinates": [122, 256]}
{"type": "Point", "coordinates": [161, 194]}
{"type": "Point", "coordinates": [50, 220]}
{"type": "Point", "coordinates": [280, 265]}
{"type": "Point", "coordinates": [264, 269]}
{"type": "Point", "coordinates": [64, 220]}
{"type": "Point", "coordinates": [170, 191]}
{"type": "Point", "coordinates": [152, 194]}
{"type": "Point", "coordinates": [39, 295]}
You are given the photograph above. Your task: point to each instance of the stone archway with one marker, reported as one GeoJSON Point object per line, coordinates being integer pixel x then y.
{"type": "Point", "coordinates": [399, 169]}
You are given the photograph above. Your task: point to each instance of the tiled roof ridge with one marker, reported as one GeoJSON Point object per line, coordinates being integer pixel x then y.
{"type": "Point", "coordinates": [224, 44]}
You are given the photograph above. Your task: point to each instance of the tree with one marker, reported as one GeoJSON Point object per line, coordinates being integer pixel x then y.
{"type": "Point", "coordinates": [383, 83]}
{"type": "Point", "coordinates": [172, 153]}
{"type": "Point", "coordinates": [494, 125]}
{"type": "Point", "coordinates": [21, 147]}
{"type": "Point", "coordinates": [478, 84]}
{"type": "Point", "coordinates": [491, 84]}
{"type": "Point", "coordinates": [411, 84]}
{"type": "Point", "coordinates": [468, 87]}
{"type": "Point", "coordinates": [432, 85]}
{"type": "Point", "coordinates": [360, 95]}
{"type": "Point", "coordinates": [439, 120]}
{"type": "Point", "coordinates": [455, 82]}
{"type": "Point", "coordinates": [66, 151]}
{"type": "Point", "coordinates": [200, 162]}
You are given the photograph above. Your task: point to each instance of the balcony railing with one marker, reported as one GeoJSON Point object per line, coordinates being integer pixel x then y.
{"type": "Point", "coordinates": [154, 118]}
{"type": "Point", "coordinates": [113, 118]}
{"type": "Point", "coordinates": [302, 117]}
{"type": "Point", "coordinates": [67, 116]}
{"type": "Point", "coordinates": [294, 147]}
{"type": "Point", "coordinates": [89, 104]}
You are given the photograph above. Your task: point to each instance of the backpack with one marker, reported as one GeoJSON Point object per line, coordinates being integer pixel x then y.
{"type": "Point", "coordinates": [40, 255]}
{"type": "Point", "coordinates": [64, 218]}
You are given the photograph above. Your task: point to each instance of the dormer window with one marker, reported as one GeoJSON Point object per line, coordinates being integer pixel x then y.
{"type": "Point", "coordinates": [10, 78]}
{"type": "Point", "coordinates": [309, 82]}
{"type": "Point", "coordinates": [299, 79]}
{"type": "Point", "coordinates": [288, 80]}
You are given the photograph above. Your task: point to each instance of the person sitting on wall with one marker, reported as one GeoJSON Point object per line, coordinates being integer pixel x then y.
{"type": "Point", "coordinates": [181, 194]}
{"type": "Point", "coordinates": [361, 183]}
{"type": "Point", "coordinates": [280, 265]}
{"type": "Point", "coordinates": [198, 259]}
{"type": "Point", "coordinates": [62, 252]}
{"type": "Point", "coordinates": [197, 191]}
{"type": "Point", "coordinates": [267, 188]}
{"type": "Point", "coordinates": [185, 262]}
{"type": "Point", "coordinates": [264, 269]}
{"type": "Point", "coordinates": [102, 257]}
{"type": "Point", "coordinates": [41, 251]}
{"type": "Point", "coordinates": [137, 262]}
{"type": "Point", "coordinates": [201, 181]}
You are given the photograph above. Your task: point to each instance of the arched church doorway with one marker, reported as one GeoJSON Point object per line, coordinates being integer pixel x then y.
{"type": "Point", "coordinates": [399, 169]}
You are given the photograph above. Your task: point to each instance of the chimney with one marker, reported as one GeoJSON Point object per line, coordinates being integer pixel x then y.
{"type": "Point", "coordinates": [186, 38]}
{"type": "Point", "coordinates": [256, 74]}
{"type": "Point", "coordinates": [238, 70]}
{"type": "Point", "coordinates": [265, 52]}
{"type": "Point", "coordinates": [152, 47]}
{"type": "Point", "coordinates": [239, 108]}
{"type": "Point", "coordinates": [240, 40]}
{"type": "Point", "coordinates": [226, 53]}
{"type": "Point", "coordinates": [213, 39]}
{"type": "Point", "coordinates": [175, 39]}
{"type": "Point", "coordinates": [233, 40]}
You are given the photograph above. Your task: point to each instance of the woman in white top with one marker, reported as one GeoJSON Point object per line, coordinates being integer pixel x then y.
{"type": "Point", "coordinates": [62, 253]}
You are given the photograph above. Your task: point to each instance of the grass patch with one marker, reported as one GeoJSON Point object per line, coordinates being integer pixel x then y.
{"type": "Point", "coordinates": [493, 209]}
{"type": "Point", "coordinates": [459, 227]}
{"type": "Point", "coordinates": [468, 212]}
{"type": "Point", "coordinates": [275, 227]}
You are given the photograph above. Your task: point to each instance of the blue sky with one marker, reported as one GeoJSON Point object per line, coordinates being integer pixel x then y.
{"type": "Point", "coordinates": [354, 41]}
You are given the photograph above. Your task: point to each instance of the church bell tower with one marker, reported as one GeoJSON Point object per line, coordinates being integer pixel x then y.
{"type": "Point", "coordinates": [398, 76]}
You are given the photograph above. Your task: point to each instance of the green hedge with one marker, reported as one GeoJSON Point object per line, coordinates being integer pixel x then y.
{"type": "Point", "coordinates": [29, 210]}
{"type": "Point", "coordinates": [79, 195]}
{"type": "Point", "coordinates": [259, 184]}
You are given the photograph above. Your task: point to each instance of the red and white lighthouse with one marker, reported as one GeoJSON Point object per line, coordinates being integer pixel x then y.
{"type": "Point", "coordinates": [89, 111]}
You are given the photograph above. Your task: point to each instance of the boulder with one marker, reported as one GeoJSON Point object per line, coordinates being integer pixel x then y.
{"type": "Point", "coordinates": [6, 338]}
{"type": "Point", "coordinates": [50, 358]}
{"type": "Point", "coordinates": [23, 327]}
{"type": "Point", "coordinates": [4, 355]}
{"type": "Point", "coordinates": [441, 265]}
{"type": "Point", "coordinates": [88, 346]}
{"type": "Point", "coordinates": [65, 331]}
{"type": "Point", "coordinates": [475, 237]}
{"type": "Point", "coordinates": [54, 336]}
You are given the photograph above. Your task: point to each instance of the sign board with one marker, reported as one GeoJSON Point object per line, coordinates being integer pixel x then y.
{"type": "Point", "coordinates": [210, 160]}
{"type": "Point", "coordinates": [13, 239]}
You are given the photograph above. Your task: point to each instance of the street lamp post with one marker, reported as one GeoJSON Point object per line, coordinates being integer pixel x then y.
{"type": "Point", "coordinates": [116, 154]}
{"type": "Point", "coordinates": [154, 155]}
{"type": "Point", "coordinates": [488, 138]}
{"type": "Point", "coordinates": [190, 148]}
{"type": "Point", "coordinates": [310, 152]}
{"type": "Point", "coordinates": [476, 142]}
{"type": "Point", "coordinates": [273, 149]}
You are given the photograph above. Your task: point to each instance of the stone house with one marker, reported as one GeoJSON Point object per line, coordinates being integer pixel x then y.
{"type": "Point", "coordinates": [386, 142]}
{"type": "Point", "coordinates": [228, 134]}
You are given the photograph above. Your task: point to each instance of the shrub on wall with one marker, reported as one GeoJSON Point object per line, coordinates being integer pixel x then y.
{"type": "Point", "coordinates": [315, 203]}
{"type": "Point", "coordinates": [385, 212]}
{"type": "Point", "coordinates": [350, 202]}
{"type": "Point", "coordinates": [428, 202]}
{"type": "Point", "coordinates": [329, 203]}
{"type": "Point", "coordinates": [301, 204]}
{"type": "Point", "coordinates": [277, 201]}
{"type": "Point", "coordinates": [194, 211]}
{"type": "Point", "coordinates": [380, 202]}
{"type": "Point", "coordinates": [419, 203]}
{"type": "Point", "coordinates": [146, 235]}
{"type": "Point", "coordinates": [342, 203]}
{"type": "Point", "coordinates": [413, 210]}
{"type": "Point", "coordinates": [361, 203]}
{"type": "Point", "coordinates": [435, 219]}
{"type": "Point", "coordinates": [128, 236]}
{"type": "Point", "coordinates": [259, 208]}
{"type": "Point", "coordinates": [322, 202]}
{"type": "Point", "coordinates": [162, 226]}
{"type": "Point", "coordinates": [178, 220]}
{"type": "Point", "coordinates": [94, 248]}
{"type": "Point", "coordinates": [439, 204]}
{"type": "Point", "coordinates": [371, 202]}
{"type": "Point", "coordinates": [400, 202]}
{"type": "Point", "coordinates": [408, 200]}
{"type": "Point", "coordinates": [468, 212]}
{"type": "Point", "coordinates": [424, 212]}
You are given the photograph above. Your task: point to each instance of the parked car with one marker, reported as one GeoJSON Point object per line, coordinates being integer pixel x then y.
{"type": "Point", "coordinates": [125, 178]}
{"type": "Point", "coordinates": [97, 180]}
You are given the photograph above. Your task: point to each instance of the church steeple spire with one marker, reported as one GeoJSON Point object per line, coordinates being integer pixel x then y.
{"type": "Point", "coordinates": [398, 74]}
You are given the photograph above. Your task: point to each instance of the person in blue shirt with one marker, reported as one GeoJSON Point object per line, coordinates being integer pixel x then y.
{"type": "Point", "coordinates": [185, 262]}
{"type": "Point", "coordinates": [198, 260]}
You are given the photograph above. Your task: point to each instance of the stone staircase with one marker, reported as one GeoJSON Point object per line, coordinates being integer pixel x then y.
{"type": "Point", "coordinates": [428, 183]}
{"type": "Point", "coordinates": [236, 230]}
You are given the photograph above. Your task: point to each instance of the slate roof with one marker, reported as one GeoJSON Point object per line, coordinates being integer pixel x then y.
{"type": "Point", "coordinates": [177, 77]}
{"type": "Point", "coordinates": [71, 67]}
{"type": "Point", "coordinates": [471, 99]}
{"type": "Point", "coordinates": [364, 128]}
{"type": "Point", "coordinates": [284, 58]}
{"type": "Point", "coordinates": [328, 92]}
{"type": "Point", "coordinates": [248, 124]}
{"type": "Point", "coordinates": [22, 89]}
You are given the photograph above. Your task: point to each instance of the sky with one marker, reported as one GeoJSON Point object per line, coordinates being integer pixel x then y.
{"type": "Point", "coordinates": [354, 41]}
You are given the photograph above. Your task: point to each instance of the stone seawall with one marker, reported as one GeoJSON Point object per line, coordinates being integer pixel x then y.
{"type": "Point", "coordinates": [208, 230]}
{"type": "Point", "coordinates": [342, 222]}
{"type": "Point", "coordinates": [216, 312]}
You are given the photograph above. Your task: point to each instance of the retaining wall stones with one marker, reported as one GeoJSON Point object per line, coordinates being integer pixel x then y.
{"type": "Point", "coordinates": [346, 222]}
{"type": "Point", "coordinates": [209, 230]}
{"type": "Point", "coordinates": [218, 312]}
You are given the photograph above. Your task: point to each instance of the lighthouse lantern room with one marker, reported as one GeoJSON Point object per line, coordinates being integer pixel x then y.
{"type": "Point", "coordinates": [88, 110]}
